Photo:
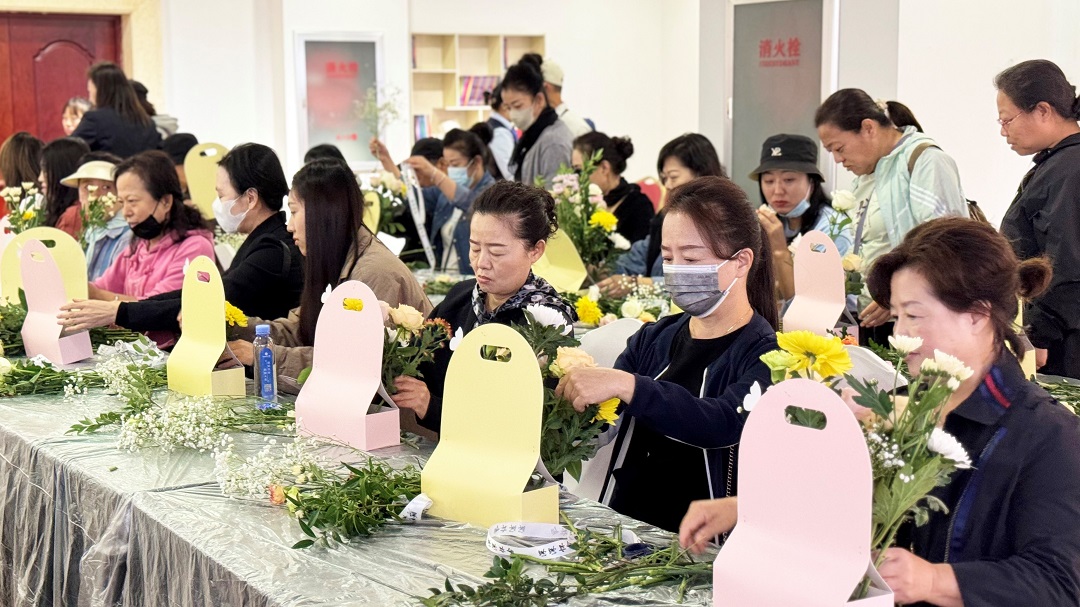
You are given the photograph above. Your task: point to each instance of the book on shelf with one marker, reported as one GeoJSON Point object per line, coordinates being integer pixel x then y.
{"type": "Point", "coordinates": [421, 127]}
{"type": "Point", "coordinates": [474, 87]}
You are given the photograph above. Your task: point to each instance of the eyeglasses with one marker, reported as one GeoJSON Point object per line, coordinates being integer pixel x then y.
{"type": "Point", "coordinates": [1005, 123]}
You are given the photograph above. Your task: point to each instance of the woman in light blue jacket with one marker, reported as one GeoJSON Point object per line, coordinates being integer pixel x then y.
{"type": "Point", "coordinates": [902, 179]}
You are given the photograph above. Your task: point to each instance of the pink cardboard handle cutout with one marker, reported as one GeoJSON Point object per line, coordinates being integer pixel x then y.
{"type": "Point", "coordinates": [803, 536]}
{"type": "Point", "coordinates": [346, 371]}
{"type": "Point", "coordinates": [819, 285]}
{"type": "Point", "coordinates": [44, 288]}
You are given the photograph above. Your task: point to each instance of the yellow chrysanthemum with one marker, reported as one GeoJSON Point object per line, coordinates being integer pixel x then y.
{"type": "Point", "coordinates": [607, 411]}
{"type": "Point", "coordinates": [351, 303]}
{"type": "Point", "coordinates": [822, 355]}
{"type": "Point", "coordinates": [234, 317]}
{"type": "Point", "coordinates": [604, 219]}
{"type": "Point", "coordinates": [28, 215]}
{"type": "Point", "coordinates": [647, 317]}
{"type": "Point", "coordinates": [588, 311]}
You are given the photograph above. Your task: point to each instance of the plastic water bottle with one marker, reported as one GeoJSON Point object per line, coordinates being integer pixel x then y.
{"type": "Point", "coordinates": [265, 368]}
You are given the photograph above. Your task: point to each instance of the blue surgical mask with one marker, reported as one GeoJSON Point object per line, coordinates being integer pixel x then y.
{"type": "Point", "coordinates": [800, 208]}
{"type": "Point", "coordinates": [696, 289]}
{"type": "Point", "coordinates": [460, 175]}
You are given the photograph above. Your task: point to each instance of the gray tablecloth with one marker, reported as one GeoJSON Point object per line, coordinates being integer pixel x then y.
{"type": "Point", "coordinates": [82, 523]}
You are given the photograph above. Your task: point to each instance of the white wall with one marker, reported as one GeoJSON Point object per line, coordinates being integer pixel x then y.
{"type": "Point", "coordinates": [214, 78]}
{"type": "Point", "coordinates": [949, 53]}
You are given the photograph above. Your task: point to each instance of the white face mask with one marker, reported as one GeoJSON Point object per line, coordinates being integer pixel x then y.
{"type": "Point", "coordinates": [522, 118]}
{"type": "Point", "coordinates": [224, 216]}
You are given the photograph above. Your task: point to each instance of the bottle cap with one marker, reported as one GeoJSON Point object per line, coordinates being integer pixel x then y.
{"type": "Point", "coordinates": [262, 330]}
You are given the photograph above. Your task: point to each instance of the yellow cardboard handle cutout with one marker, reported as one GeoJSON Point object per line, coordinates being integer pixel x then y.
{"type": "Point", "coordinates": [200, 169]}
{"type": "Point", "coordinates": [64, 249]}
{"type": "Point", "coordinates": [561, 264]}
{"type": "Point", "coordinates": [490, 438]}
{"type": "Point", "coordinates": [191, 364]}
{"type": "Point", "coordinates": [372, 211]}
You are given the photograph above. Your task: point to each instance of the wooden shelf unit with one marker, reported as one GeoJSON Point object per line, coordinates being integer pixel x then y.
{"type": "Point", "coordinates": [450, 73]}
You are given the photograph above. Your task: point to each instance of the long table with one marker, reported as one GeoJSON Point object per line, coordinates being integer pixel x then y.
{"type": "Point", "coordinates": [82, 523]}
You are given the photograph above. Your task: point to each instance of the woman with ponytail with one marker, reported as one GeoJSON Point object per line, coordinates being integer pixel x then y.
{"type": "Point", "coordinates": [633, 209]}
{"type": "Point", "coordinates": [1010, 532]}
{"type": "Point", "coordinates": [902, 179]}
{"type": "Point", "coordinates": [682, 380]}
{"type": "Point", "coordinates": [1038, 110]}
{"type": "Point", "coordinates": [510, 225]}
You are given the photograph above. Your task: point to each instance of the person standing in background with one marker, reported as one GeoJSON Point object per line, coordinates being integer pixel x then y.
{"type": "Point", "coordinates": [118, 123]}
{"type": "Point", "coordinates": [553, 84]}
{"type": "Point", "coordinates": [1038, 111]}
{"type": "Point", "coordinates": [166, 125]}
{"type": "Point", "coordinates": [503, 135]}
{"type": "Point", "coordinates": [546, 142]}
{"type": "Point", "coordinates": [73, 113]}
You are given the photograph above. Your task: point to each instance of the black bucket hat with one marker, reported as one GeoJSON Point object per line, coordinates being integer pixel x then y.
{"type": "Point", "coordinates": [788, 153]}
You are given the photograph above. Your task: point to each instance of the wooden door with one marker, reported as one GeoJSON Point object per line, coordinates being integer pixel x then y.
{"type": "Point", "coordinates": [43, 63]}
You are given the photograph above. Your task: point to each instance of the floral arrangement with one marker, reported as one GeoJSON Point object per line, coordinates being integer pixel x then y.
{"type": "Point", "coordinates": [845, 202]}
{"type": "Point", "coordinates": [645, 302]}
{"type": "Point", "coordinates": [440, 285]}
{"type": "Point", "coordinates": [234, 240]}
{"type": "Point", "coordinates": [96, 213]}
{"type": "Point", "coordinates": [336, 504]}
{"type": "Point", "coordinates": [410, 341]}
{"type": "Point", "coordinates": [12, 317]}
{"type": "Point", "coordinates": [567, 437]}
{"type": "Point", "coordinates": [584, 218]}
{"type": "Point", "coordinates": [24, 206]}
{"type": "Point", "coordinates": [603, 562]}
{"type": "Point", "coordinates": [388, 192]}
{"type": "Point", "coordinates": [909, 453]}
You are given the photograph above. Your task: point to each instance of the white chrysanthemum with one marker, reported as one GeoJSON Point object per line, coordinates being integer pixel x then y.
{"type": "Point", "coordinates": [952, 365]}
{"type": "Point", "coordinates": [905, 344]}
{"type": "Point", "coordinates": [953, 384]}
{"type": "Point", "coordinates": [631, 308]}
{"type": "Point", "coordinates": [5, 367]}
{"type": "Point", "coordinates": [594, 293]}
{"type": "Point", "coordinates": [620, 241]}
{"type": "Point", "coordinates": [547, 316]}
{"type": "Point", "coordinates": [946, 445]}
{"type": "Point", "coordinates": [455, 341]}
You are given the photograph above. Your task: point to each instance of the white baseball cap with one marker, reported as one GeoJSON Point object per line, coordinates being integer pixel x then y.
{"type": "Point", "coordinates": [553, 74]}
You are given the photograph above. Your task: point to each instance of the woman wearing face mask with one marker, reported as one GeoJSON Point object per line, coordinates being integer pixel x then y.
{"type": "Point", "coordinates": [166, 234]}
{"type": "Point", "coordinates": [1038, 110]}
{"type": "Point", "coordinates": [902, 179]}
{"type": "Point", "coordinates": [793, 202]}
{"type": "Point", "coordinates": [633, 209]}
{"type": "Point", "coordinates": [59, 159]}
{"type": "Point", "coordinates": [681, 160]}
{"type": "Point", "coordinates": [464, 179]}
{"type": "Point", "coordinates": [266, 275]}
{"type": "Point", "coordinates": [683, 379]}
{"type": "Point", "coordinates": [426, 153]}
{"type": "Point", "coordinates": [95, 178]}
{"type": "Point", "coordinates": [511, 223]}
{"type": "Point", "coordinates": [1011, 532]}
{"type": "Point", "coordinates": [546, 142]}
{"type": "Point", "coordinates": [327, 211]}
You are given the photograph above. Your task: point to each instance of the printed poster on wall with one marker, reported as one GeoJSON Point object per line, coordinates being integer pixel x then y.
{"type": "Point", "coordinates": [776, 87]}
{"type": "Point", "coordinates": [340, 78]}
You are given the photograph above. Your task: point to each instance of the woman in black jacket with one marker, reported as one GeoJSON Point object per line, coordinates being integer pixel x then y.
{"type": "Point", "coordinates": [1038, 110]}
{"type": "Point", "coordinates": [633, 209]}
{"type": "Point", "coordinates": [683, 379]}
{"type": "Point", "coordinates": [266, 275]}
{"type": "Point", "coordinates": [510, 225]}
{"type": "Point", "coordinates": [1011, 532]}
{"type": "Point", "coordinates": [118, 123]}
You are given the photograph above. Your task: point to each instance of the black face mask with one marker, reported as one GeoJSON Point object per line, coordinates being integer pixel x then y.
{"type": "Point", "coordinates": [149, 228]}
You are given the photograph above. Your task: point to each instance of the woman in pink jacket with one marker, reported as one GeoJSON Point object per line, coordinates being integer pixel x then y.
{"type": "Point", "coordinates": [166, 235]}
